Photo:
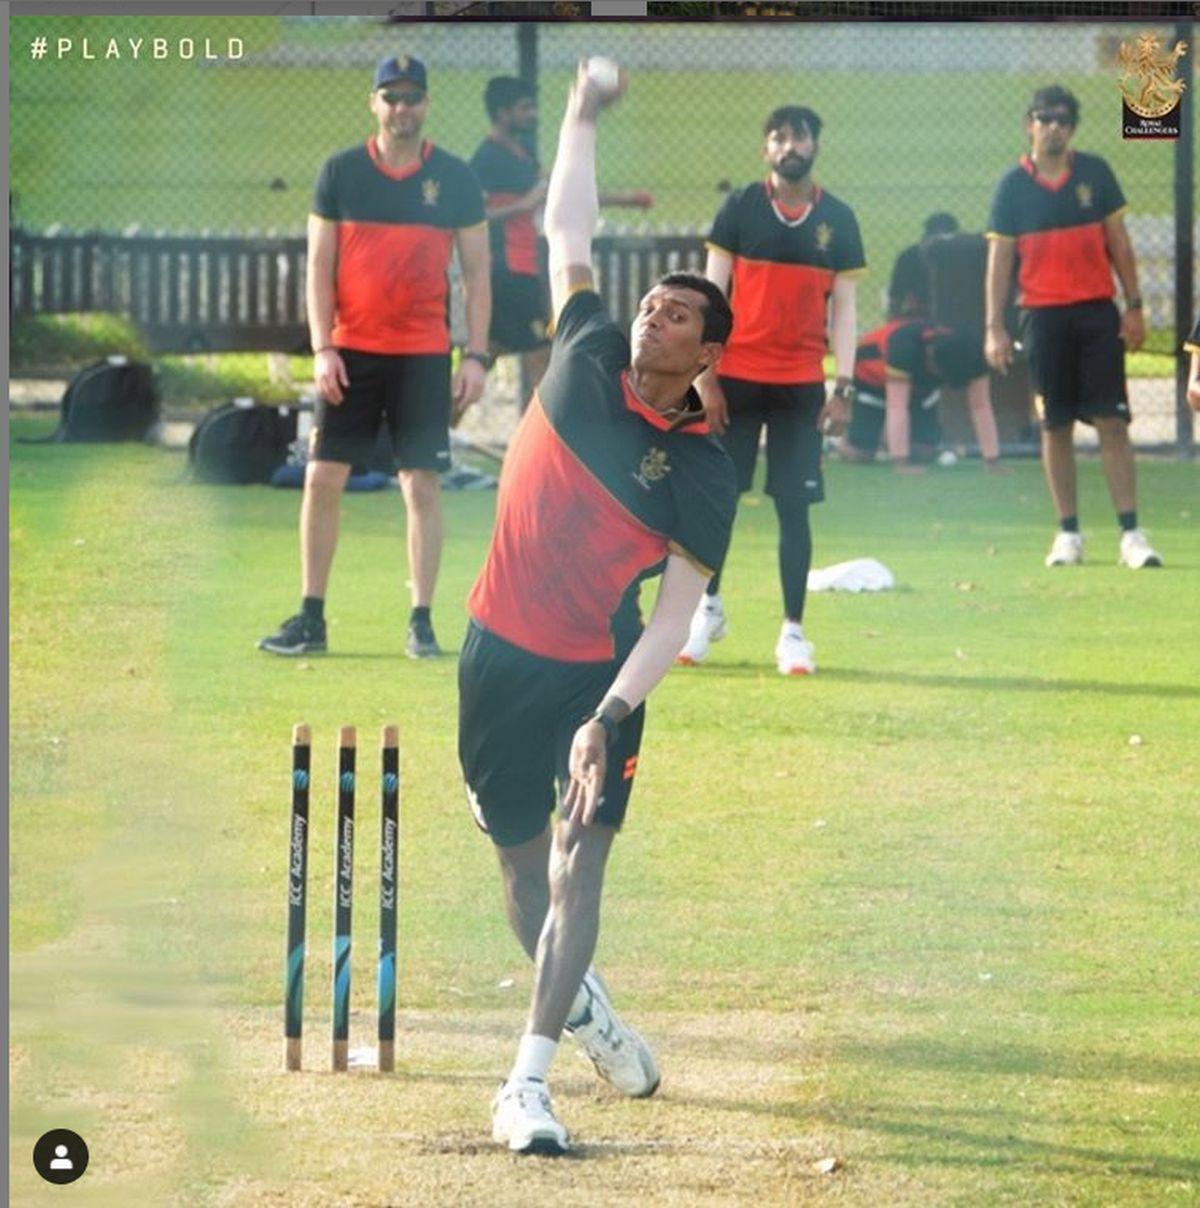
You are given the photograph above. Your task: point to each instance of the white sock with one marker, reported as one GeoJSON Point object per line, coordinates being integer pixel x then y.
{"type": "Point", "coordinates": [534, 1055]}
{"type": "Point", "coordinates": [793, 627]}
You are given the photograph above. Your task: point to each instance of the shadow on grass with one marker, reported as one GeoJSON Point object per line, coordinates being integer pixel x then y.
{"type": "Point", "coordinates": [1005, 1149]}
{"type": "Point", "coordinates": [1012, 1058]}
{"type": "Point", "coordinates": [989, 683]}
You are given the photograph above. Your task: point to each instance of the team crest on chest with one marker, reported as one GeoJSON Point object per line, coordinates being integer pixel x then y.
{"type": "Point", "coordinates": [1084, 195]}
{"type": "Point", "coordinates": [429, 192]}
{"type": "Point", "coordinates": [824, 236]}
{"type": "Point", "coordinates": [653, 469]}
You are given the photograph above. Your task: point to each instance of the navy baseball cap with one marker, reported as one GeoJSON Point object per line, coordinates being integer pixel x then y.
{"type": "Point", "coordinates": [400, 67]}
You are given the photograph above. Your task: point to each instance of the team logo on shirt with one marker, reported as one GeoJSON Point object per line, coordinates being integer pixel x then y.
{"type": "Point", "coordinates": [1083, 194]}
{"type": "Point", "coordinates": [429, 192]}
{"type": "Point", "coordinates": [653, 469]}
{"type": "Point", "coordinates": [824, 236]}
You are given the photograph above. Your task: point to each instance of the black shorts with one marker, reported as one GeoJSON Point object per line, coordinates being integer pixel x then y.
{"type": "Point", "coordinates": [520, 314]}
{"type": "Point", "coordinates": [1076, 361]}
{"type": "Point", "coordinates": [517, 714]}
{"type": "Point", "coordinates": [793, 441]}
{"type": "Point", "coordinates": [867, 421]}
{"type": "Point", "coordinates": [410, 394]}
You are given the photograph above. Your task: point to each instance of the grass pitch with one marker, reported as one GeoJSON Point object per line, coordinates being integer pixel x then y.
{"type": "Point", "coordinates": [929, 912]}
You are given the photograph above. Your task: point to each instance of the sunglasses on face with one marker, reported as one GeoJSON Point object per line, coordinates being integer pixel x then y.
{"type": "Point", "coordinates": [411, 99]}
{"type": "Point", "coordinates": [1055, 119]}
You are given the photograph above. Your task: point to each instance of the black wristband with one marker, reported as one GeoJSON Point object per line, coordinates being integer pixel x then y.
{"type": "Point", "coordinates": [481, 357]}
{"type": "Point", "coordinates": [1134, 303]}
{"type": "Point", "coordinates": [611, 729]}
{"type": "Point", "coordinates": [845, 391]}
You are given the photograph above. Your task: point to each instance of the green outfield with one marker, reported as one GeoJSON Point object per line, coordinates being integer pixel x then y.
{"type": "Point", "coordinates": [178, 146]}
{"type": "Point", "coordinates": [930, 912]}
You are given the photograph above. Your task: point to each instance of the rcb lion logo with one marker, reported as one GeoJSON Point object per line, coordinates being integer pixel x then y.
{"type": "Point", "coordinates": [1154, 91]}
{"type": "Point", "coordinates": [824, 236]}
{"type": "Point", "coordinates": [429, 192]}
{"type": "Point", "coordinates": [1083, 194]}
{"type": "Point", "coordinates": [653, 469]}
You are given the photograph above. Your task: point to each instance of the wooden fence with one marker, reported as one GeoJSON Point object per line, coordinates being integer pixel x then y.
{"type": "Point", "coordinates": [246, 293]}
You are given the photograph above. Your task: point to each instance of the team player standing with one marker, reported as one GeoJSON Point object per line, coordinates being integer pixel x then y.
{"type": "Point", "coordinates": [386, 217]}
{"type": "Point", "coordinates": [787, 252]}
{"type": "Point", "coordinates": [1060, 213]}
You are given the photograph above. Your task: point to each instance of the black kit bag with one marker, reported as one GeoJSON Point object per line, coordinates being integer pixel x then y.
{"type": "Point", "coordinates": [112, 400]}
{"type": "Point", "coordinates": [236, 443]}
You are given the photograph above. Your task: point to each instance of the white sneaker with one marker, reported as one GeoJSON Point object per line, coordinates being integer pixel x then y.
{"type": "Point", "coordinates": [794, 653]}
{"type": "Point", "coordinates": [523, 1119]}
{"type": "Point", "coordinates": [1136, 550]}
{"type": "Point", "coordinates": [708, 625]}
{"type": "Point", "coordinates": [621, 1057]}
{"type": "Point", "coordinates": [1067, 549]}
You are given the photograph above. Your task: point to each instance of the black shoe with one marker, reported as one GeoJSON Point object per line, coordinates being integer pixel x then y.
{"type": "Point", "coordinates": [421, 642]}
{"type": "Point", "coordinates": [297, 635]}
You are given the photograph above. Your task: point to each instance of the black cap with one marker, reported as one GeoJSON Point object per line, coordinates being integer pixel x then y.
{"type": "Point", "coordinates": [395, 68]}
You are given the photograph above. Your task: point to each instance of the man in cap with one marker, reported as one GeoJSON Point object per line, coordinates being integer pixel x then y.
{"type": "Point", "coordinates": [387, 216]}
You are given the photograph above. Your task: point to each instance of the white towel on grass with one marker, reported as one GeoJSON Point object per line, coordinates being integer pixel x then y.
{"type": "Point", "coordinates": [859, 574]}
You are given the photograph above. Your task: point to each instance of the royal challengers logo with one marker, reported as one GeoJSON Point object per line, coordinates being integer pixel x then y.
{"type": "Point", "coordinates": [1150, 93]}
{"type": "Point", "coordinates": [1148, 75]}
{"type": "Point", "coordinates": [824, 236]}
{"type": "Point", "coordinates": [653, 469]}
{"type": "Point", "coordinates": [1083, 194]}
{"type": "Point", "coordinates": [429, 192]}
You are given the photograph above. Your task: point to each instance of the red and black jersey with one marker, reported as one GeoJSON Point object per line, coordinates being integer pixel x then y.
{"type": "Point", "coordinates": [1192, 343]}
{"type": "Point", "coordinates": [597, 489]}
{"type": "Point", "coordinates": [507, 172]}
{"type": "Point", "coordinates": [783, 270]}
{"type": "Point", "coordinates": [395, 239]}
{"type": "Point", "coordinates": [896, 349]}
{"type": "Point", "coordinates": [1058, 227]}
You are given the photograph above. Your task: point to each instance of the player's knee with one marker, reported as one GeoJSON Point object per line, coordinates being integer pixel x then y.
{"type": "Point", "coordinates": [577, 866]}
{"type": "Point", "coordinates": [792, 513]}
{"type": "Point", "coordinates": [420, 488]}
{"type": "Point", "coordinates": [1112, 430]}
{"type": "Point", "coordinates": [325, 480]}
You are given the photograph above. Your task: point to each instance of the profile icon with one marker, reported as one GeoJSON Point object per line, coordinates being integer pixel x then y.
{"type": "Point", "coordinates": [60, 1156]}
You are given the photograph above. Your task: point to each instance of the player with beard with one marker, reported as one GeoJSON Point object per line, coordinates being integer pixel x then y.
{"type": "Point", "coordinates": [787, 252]}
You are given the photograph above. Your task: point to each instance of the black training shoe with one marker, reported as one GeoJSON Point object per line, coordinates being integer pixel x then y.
{"type": "Point", "coordinates": [421, 644]}
{"type": "Point", "coordinates": [297, 635]}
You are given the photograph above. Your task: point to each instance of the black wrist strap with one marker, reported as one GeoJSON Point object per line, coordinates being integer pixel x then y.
{"type": "Point", "coordinates": [611, 729]}
{"type": "Point", "coordinates": [481, 357]}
